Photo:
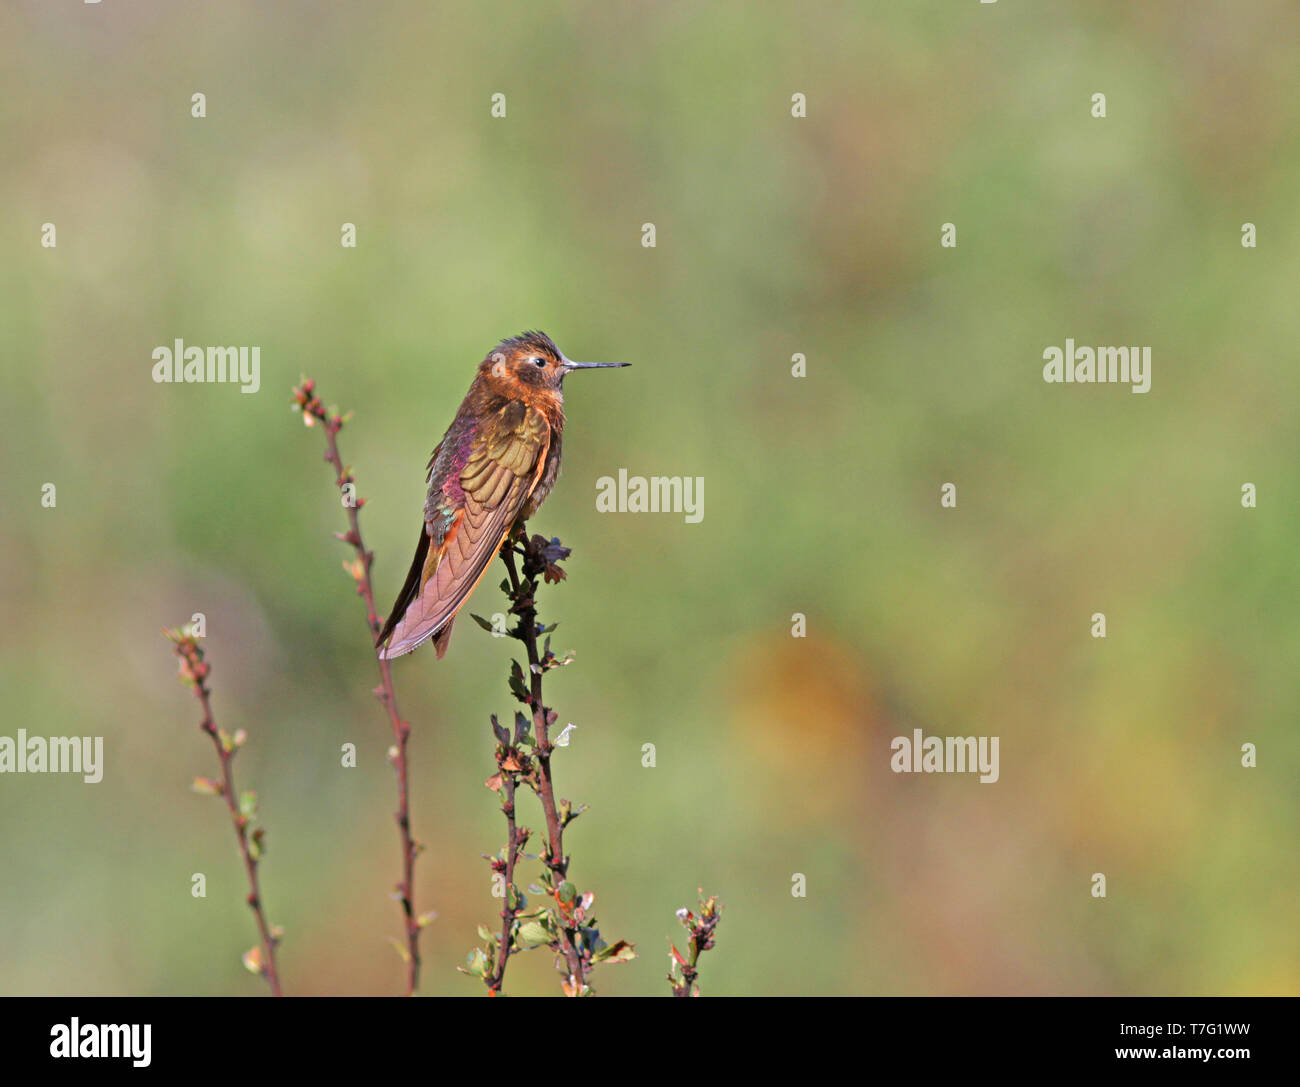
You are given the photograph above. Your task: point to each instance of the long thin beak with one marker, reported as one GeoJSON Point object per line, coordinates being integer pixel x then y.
{"type": "Point", "coordinates": [569, 365]}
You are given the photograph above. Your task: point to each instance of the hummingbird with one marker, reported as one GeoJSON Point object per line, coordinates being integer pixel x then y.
{"type": "Point", "coordinates": [492, 470]}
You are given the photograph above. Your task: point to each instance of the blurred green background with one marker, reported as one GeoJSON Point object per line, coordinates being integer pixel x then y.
{"type": "Point", "coordinates": [776, 235]}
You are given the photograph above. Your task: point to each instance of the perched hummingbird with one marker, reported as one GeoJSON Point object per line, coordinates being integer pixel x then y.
{"type": "Point", "coordinates": [494, 467]}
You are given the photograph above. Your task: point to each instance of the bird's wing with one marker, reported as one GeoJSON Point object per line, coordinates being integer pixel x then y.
{"type": "Point", "coordinates": [493, 468]}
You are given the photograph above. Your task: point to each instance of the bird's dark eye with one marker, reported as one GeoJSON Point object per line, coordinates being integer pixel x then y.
{"type": "Point", "coordinates": [539, 362]}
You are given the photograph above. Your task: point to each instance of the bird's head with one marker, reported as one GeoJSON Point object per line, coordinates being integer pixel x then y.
{"type": "Point", "coordinates": [531, 364]}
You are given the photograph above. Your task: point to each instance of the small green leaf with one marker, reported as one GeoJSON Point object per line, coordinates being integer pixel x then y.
{"type": "Point", "coordinates": [532, 934]}
{"type": "Point", "coordinates": [619, 952]}
{"type": "Point", "coordinates": [476, 964]}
